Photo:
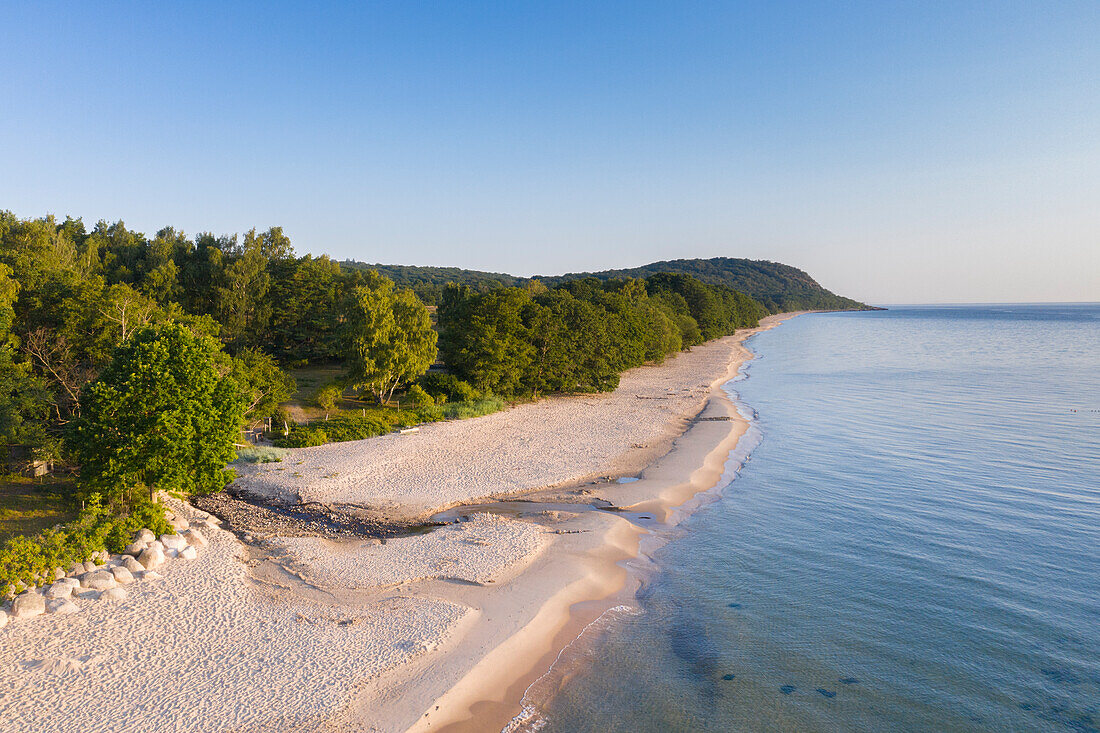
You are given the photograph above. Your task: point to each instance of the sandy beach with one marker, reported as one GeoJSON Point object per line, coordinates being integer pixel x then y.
{"type": "Point", "coordinates": [437, 630]}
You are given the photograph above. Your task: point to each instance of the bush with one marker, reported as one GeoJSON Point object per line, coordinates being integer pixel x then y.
{"type": "Point", "coordinates": [261, 454]}
{"type": "Point", "coordinates": [418, 397]}
{"type": "Point", "coordinates": [451, 387]}
{"type": "Point", "coordinates": [30, 561]}
{"type": "Point", "coordinates": [327, 396]}
{"type": "Point", "coordinates": [462, 410]}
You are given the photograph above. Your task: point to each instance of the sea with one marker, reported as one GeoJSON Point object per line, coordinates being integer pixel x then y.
{"type": "Point", "coordinates": [912, 544]}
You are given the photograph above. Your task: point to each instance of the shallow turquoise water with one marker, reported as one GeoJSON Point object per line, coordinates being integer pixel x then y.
{"type": "Point", "coordinates": [914, 545]}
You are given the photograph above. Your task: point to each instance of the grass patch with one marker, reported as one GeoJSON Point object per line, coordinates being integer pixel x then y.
{"type": "Point", "coordinates": [261, 454]}
{"type": "Point", "coordinates": [374, 421]}
{"type": "Point", "coordinates": [29, 506]}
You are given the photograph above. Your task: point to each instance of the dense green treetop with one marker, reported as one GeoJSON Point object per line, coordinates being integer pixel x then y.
{"type": "Point", "coordinates": [162, 415]}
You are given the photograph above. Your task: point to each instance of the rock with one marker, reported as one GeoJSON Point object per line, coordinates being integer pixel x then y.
{"type": "Point", "coordinates": [58, 573]}
{"type": "Point", "coordinates": [27, 605]}
{"type": "Point", "coordinates": [134, 548]}
{"type": "Point", "coordinates": [113, 594]}
{"type": "Point", "coordinates": [171, 554]}
{"type": "Point", "coordinates": [122, 575]}
{"type": "Point", "coordinates": [151, 557]}
{"type": "Point", "coordinates": [77, 568]}
{"type": "Point", "coordinates": [71, 582]}
{"type": "Point", "coordinates": [189, 553]}
{"type": "Point", "coordinates": [89, 566]}
{"type": "Point", "coordinates": [195, 538]}
{"type": "Point", "coordinates": [144, 536]}
{"type": "Point", "coordinates": [173, 541]}
{"type": "Point", "coordinates": [157, 544]}
{"type": "Point", "coordinates": [58, 591]}
{"type": "Point", "coordinates": [63, 606]}
{"type": "Point", "coordinates": [131, 564]}
{"type": "Point", "coordinates": [178, 523]}
{"type": "Point", "coordinates": [98, 580]}
{"type": "Point", "coordinates": [3, 618]}
{"type": "Point", "coordinates": [151, 575]}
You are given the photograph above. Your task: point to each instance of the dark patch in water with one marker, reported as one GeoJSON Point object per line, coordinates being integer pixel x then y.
{"type": "Point", "coordinates": [728, 677]}
{"type": "Point", "coordinates": [1061, 676]}
{"type": "Point", "coordinates": [1026, 706]}
{"type": "Point", "coordinates": [849, 681]}
{"type": "Point", "coordinates": [733, 605]}
{"type": "Point", "coordinates": [787, 689]}
{"type": "Point", "coordinates": [826, 693]}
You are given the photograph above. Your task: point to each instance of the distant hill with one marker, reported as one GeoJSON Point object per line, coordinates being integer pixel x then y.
{"type": "Point", "coordinates": [779, 287]}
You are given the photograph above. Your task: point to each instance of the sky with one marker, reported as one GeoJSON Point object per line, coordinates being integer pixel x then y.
{"type": "Point", "coordinates": [900, 152]}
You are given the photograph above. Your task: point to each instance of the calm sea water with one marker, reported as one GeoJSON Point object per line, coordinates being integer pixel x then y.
{"type": "Point", "coordinates": [914, 545]}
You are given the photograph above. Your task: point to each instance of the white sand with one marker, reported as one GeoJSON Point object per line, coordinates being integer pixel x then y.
{"type": "Point", "coordinates": [486, 549]}
{"type": "Point", "coordinates": [368, 636]}
{"type": "Point", "coordinates": [531, 446]}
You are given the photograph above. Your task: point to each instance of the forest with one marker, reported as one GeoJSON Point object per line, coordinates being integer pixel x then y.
{"type": "Point", "coordinates": [131, 364]}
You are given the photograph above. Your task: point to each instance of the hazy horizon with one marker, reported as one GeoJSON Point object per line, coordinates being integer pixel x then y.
{"type": "Point", "coordinates": [931, 153]}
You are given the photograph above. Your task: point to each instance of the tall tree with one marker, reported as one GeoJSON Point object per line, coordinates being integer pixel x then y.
{"type": "Point", "coordinates": [390, 337]}
{"type": "Point", "coordinates": [160, 416]}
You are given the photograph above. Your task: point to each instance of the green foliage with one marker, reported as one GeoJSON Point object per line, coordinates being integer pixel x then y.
{"type": "Point", "coordinates": [262, 383]}
{"type": "Point", "coordinates": [159, 416]}
{"type": "Point", "coordinates": [328, 395]}
{"type": "Point", "coordinates": [390, 338]}
{"type": "Point", "coordinates": [418, 397]}
{"type": "Point", "coordinates": [477, 408]}
{"type": "Point", "coordinates": [260, 454]}
{"type": "Point", "coordinates": [29, 561]}
{"type": "Point", "coordinates": [450, 387]}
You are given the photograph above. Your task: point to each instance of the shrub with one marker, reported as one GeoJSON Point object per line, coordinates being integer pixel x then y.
{"type": "Point", "coordinates": [261, 454]}
{"type": "Point", "coordinates": [327, 396]}
{"type": "Point", "coordinates": [30, 561]}
{"type": "Point", "coordinates": [418, 397]}
{"type": "Point", "coordinates": [451, 387]}
{"type": "Point", "coordinates": [462, 410]}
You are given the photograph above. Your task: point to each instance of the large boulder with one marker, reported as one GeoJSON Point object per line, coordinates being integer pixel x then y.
{"type": "Point", "coordinates": [76, 568]}
{"type": "Point", "coordinates": [151, 557]}
{"type": "Point", "coordinates": [134, 548]}
{"type": "Point", "coordinates": [113, 594]}
{"type": "Point", "coordinates": [173, 542]}
{"type": "Point", "coordinates": [144, 536]}
{"type": "Point", "coordinates": [98, 580]}
{"type": "Point", "coordinates": [89, 566]}
{"type": "Point", "coordinates": [28, 605]}
{"type": "Point", "coordinates": [131, 564]}
{"type": "Point", "coordinates": [62, 606]}
{"type": "Point", "coordinates": [189, 553]}
{"type": "Point", "coordinates": [195, 538]}
{"type": "Point", "coordinates": [178, 523]}
{"type": "Point", "coordinates": [59, 591]}
{"type": "Point", "coordinates": [122, 575]}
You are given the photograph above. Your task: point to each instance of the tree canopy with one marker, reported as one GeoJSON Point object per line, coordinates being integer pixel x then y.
{"type": "Point", "coordinates": [160, 416]}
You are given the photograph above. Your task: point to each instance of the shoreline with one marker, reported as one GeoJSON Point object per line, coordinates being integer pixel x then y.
{"type": "Point", "coordinates": [482, 700]}
{"type": "Point", "coordinates": [330, 632]}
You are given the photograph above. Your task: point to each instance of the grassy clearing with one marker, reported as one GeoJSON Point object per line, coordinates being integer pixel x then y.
{"type": "Point", "coordinates": [261, 454]}
{"type": "Point", "coordinates": [28, 506]}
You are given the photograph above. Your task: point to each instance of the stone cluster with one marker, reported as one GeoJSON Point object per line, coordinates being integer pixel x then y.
{"type": "Point", "coordinates": [104, 576]}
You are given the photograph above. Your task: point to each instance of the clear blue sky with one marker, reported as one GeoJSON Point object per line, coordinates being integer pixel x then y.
{"type": "Point", "coordinates": [899, 152]}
